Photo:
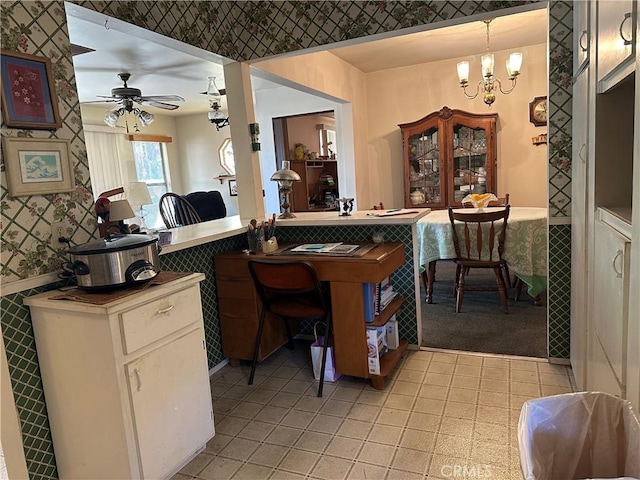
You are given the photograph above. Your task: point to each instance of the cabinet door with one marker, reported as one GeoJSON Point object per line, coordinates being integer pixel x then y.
{"type": "Point", "coordinates": [424, 168]}
{"type": "Point", "coordinates": [616, 39]}
{"type": "Point", "coordinates": [611, 291]}
{"type": "Point", "coordinates": [579, 193]}
{"type": "Point", "coordinates": [171, 401]}
{"type": "Point", "coordinates": [471, 164]}
{"type": "Point", "coordinates": [581, 16]}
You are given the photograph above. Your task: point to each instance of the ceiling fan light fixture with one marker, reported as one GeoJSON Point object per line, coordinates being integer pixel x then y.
{"type": "Point", "coordinates": [145, 117]}
{"type": "Point", "coordinates": [111, 118]}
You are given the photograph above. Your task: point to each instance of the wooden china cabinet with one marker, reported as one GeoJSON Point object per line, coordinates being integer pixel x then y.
{"type": "Point", "coordinates": [447, 155]}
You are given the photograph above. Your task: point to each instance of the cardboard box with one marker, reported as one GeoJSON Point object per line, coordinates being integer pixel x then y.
{"type": "Point", "coordinates": [393, 338]}
{"type": "Point", "coordinates": [376, 346]}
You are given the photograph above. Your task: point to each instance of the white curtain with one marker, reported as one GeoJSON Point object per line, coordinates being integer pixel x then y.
{"type": "Point", "coordinates": [110, 155]}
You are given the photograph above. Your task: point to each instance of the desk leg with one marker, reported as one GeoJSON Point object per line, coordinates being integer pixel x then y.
{"type": "Point", "coordinates": [431, 278]}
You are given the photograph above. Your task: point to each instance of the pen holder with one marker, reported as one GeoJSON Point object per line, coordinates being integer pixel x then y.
{"type": "Point", "coordinates": [253, 239]}
{"type": "Point", "coordinates": [270, 245]}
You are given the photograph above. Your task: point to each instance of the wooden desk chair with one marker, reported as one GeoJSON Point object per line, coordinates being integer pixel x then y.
{"type": "Point", "coordinates": [481, 231]}
{"type": "Point", "coordinates": [289, 290]}
{"type": "Point", "coordinates": [501, 202]}
{"type": "Point", "coordinates": [176, 211]}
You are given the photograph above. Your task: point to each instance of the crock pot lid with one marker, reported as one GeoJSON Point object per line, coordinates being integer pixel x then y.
{"type": "Point", "coordinates": [114, 243]}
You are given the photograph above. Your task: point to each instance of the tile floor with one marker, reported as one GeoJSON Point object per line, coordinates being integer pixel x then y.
{"type": "Point", "coordinates": [442, 415]}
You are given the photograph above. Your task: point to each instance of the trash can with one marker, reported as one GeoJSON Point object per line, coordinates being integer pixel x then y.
{"type": "Point", "coordinates": [582, 435]}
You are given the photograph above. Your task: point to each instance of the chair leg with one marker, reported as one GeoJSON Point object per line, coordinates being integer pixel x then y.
{"type": "Point", "coordinates": [287, 327]}
{"type": "Point", "coordinates": [502, 288]}
{"type": "Point", "coordinates": [256, 349]}
{"type": "Point", "coordinates": [519, 286]}
{"type": "Point", "coordinates": [456, 280]}
{"type": "Point", "coordinates": [460, 288]}
{"type": "Point", "coordinates": [325, 346]}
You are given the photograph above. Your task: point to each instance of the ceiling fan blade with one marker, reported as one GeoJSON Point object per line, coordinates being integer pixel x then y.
{"type": "Point", "coordinates": [79, 49]}
{"type": "Point", "coordinates": [153, 103]}
{"type": "Point", "coordinates": [163, 98]}
{"type": "Point", "coordinates": [106, 100]}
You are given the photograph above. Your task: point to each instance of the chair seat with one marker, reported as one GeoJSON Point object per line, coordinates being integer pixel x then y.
{"type": "Point", "coordinates": [479, 263]}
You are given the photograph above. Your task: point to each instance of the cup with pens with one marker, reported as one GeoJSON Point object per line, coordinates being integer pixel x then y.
{"type": "Point", "coordinates": [270, 243]}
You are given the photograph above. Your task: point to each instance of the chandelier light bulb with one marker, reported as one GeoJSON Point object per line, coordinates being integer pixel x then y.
{"type": "Point", "coordinates": [111, 118]}
{"type": "Point", "coordinates": [487, 65]}
{"type": "Point", "coordinates": [463, 72]}
{"type": "Point", "coordinates": [514, 64]}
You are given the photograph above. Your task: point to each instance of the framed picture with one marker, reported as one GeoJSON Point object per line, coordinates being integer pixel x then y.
{"type": "Point", "coordinates": [233, 188]}
{"type": "Point", "coordinates": [35, 166]}
{"type": "Point", "coordinates": [28, 95]}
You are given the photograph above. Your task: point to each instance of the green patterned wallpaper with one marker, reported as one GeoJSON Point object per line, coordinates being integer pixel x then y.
{"type": "Point", "coordinates": [238, 30]}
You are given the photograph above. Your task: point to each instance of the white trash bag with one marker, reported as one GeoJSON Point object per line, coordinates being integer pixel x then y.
{"type": "Point", "coordinates": [330, 373]}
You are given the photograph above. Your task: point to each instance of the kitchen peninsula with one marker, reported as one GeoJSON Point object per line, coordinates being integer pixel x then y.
{"type": "Point", "coordinates": [193, 248]}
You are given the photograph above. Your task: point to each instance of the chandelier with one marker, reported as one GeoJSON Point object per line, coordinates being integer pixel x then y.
{"type": "Point", "coordinates": [488, 83]}
{"type": "Point", "coordinates": [215, 115]}
{"type": "Point", "coordinates": [112, 116]}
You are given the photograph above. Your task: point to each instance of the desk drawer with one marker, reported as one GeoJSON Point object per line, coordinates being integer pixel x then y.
{"type": "Point", "coordinates": [150, 322]}
{"type": "Point", "coordinates": [232, 267]}
{"type": "Point", "coordinates": [235, 287]}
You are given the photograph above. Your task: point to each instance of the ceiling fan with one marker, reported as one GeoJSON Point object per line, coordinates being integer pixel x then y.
{"type": "Point", "coordinates": [127, 96]}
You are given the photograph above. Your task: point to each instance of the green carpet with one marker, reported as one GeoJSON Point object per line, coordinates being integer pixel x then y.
{"type": "Point", "coordinates": [481, 326]}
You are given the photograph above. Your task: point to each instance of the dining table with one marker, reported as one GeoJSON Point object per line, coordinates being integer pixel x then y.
{"type": "Point", "coordinates": [525, 246]}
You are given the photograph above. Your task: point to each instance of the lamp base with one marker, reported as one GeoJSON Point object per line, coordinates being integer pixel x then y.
{"type": "Point", "coordinates": [286, 215]}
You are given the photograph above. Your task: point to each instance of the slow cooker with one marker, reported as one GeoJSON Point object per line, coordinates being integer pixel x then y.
{"type": "Point", "coordinates": [115, 262]}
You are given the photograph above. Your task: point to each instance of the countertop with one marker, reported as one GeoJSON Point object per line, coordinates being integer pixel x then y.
{"type": "Point", "coordinates": [205, 232]}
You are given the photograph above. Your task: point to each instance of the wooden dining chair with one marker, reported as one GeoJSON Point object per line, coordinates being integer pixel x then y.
{"type": "Point", "coordinates": [478, 239]}
{"type": "Point", "coordinates": [501, 202]}
{"type": "Point", "coordinates": [176, 211]}
{"type": "Point", "coordinates": [289, 290]}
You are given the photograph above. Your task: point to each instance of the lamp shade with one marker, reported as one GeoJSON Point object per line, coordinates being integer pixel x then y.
{"type": "Point", "coordinates": [138, 194]}
{"type": "Point", "coordinates": [120, 210]}
{"type": "Point", "coordinates": [285, 175]}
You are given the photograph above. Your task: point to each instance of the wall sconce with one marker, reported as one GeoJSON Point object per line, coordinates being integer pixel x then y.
{"type": "Point", "coordinates": [285, 178]}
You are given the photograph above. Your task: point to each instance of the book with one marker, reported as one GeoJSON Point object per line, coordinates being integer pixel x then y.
{"type": "Point", "coordinates": [369, 301]}
{"type": "Point", "coordinates": [376, 347]}
{"type": "Point", "coordinates": [316, 247]}
{"type": "Point", "coordinates": [392, 336]}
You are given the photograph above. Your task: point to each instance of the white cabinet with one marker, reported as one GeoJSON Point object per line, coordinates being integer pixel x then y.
{"type": "Point", "coordinates": [126, 383]}
{"type": "Point", "coordinates": [579, 232]}
{"type": "Point", "coordinates": [611, 301]}
{"type": "Point", "coordinates": [616, 41]}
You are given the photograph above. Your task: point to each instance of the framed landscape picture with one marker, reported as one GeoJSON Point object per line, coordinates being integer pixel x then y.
{"type": "Point", "coordinates": [28, 95]}
{"type": "Point", "coordinates": [36, 166]}
{"type": "Point", "coordinates": [233, 188]}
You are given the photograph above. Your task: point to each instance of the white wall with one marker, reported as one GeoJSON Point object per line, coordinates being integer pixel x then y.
{"type": "Point", "coordinates": [199, 161]}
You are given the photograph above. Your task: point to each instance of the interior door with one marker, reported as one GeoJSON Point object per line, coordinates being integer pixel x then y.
{"type": "Point", "coordinates": [171, 398]}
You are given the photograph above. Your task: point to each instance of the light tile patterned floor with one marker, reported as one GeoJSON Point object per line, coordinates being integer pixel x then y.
{"type": "Point", "coordinates": [441, 416]}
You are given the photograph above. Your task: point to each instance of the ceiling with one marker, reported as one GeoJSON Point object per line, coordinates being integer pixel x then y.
{"type": "Point", "coordinates": [162, 66]}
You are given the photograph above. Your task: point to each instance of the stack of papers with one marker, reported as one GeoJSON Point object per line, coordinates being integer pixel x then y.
{"type": "Point", "coordinates": [325, 248]}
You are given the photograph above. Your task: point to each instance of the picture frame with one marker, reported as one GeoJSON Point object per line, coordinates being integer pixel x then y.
{"type": "Point", "coordinates": [37, 166]}
{"type": "Point", "coordinates": [29, 98]}
{"type": "Point", "coordinates": [233, 188]}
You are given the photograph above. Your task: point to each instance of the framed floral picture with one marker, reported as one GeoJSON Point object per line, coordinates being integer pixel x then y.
{"type": "Point", "coordinates": [36, 166]}
{"type": "Point", "coordinates": [28, 94]}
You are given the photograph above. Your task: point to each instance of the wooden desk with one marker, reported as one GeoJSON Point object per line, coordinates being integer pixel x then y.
{"type": "Point", "coordinates": [239, 306]}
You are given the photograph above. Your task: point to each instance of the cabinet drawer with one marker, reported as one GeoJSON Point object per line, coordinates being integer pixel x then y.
{"type": "Point", "coordinates": [232, 267]}
{"type": "Point", "coordinates": [154, 320]}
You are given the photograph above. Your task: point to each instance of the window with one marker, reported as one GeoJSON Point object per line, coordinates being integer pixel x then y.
{"type": "Point", "coordinates": [150, 161]}
{"type": "Point", "coordinates": [225, 154]}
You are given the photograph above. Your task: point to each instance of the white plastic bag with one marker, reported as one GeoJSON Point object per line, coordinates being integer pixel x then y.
{"type": "Point", "coordinates": [330, 373]}
{"type": "Point", "coordinates": [578, 436]}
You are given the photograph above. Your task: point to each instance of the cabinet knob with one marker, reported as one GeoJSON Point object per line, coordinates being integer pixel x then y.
{"type": "Point", "coordinates": [138, 379]}
{"type": "Point", "coordinates": [165, 310]}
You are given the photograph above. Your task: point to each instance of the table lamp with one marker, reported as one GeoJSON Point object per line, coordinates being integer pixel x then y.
{"type": "Point", "coordinates": [119, 210]}
{"type": "Point", "coordinates": [285, 178]}
{"type": "Point", "coordinates": [138, 195]}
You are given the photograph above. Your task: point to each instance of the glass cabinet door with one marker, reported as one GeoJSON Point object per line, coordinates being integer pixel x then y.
{"type": "Point", "coordinates": [469, 161]}
{"type": "Point", "coordinates": [425, 173]}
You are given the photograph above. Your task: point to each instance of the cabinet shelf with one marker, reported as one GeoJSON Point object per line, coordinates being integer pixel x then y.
{"type": "Point", "coordinates": [384, 316]}
{"type": "Point", "coordinates": [388, 363]}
